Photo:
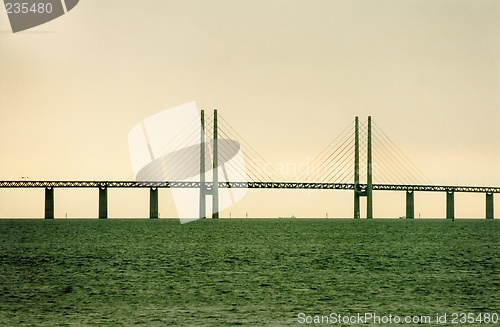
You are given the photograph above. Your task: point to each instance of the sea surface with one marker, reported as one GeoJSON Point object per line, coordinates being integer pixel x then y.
{"type": "Point", "coordinates": [246, 272]}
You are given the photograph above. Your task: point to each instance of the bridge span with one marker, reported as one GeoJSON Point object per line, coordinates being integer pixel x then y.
{"type": "Point", "coordinates": [360, 189]}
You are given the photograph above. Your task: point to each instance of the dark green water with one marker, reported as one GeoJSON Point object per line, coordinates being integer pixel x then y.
{"type": "Point", "coordinates": [250, 272]}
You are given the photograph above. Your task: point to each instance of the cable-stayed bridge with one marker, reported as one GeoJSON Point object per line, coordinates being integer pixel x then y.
{"type": "Point", "coordinates": [210, 155]}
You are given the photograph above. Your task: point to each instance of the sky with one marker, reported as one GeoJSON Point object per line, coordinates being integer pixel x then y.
{"type": "Point", "coordinates": [288, 75]}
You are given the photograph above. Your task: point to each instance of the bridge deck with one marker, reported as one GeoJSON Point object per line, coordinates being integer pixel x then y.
{"type": "Point", "coordinates": [256, 185]}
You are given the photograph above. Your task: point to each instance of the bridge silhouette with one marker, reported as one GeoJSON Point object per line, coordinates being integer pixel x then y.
{"type": "Point", "coordinates": [338, 167]}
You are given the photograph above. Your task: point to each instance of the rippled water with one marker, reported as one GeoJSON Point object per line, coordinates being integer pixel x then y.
{"type": "Point", "coordinates": [253, 272]}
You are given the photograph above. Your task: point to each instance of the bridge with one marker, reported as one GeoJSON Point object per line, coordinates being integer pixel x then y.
{"type": "Point", "coordinates": [338, 169]}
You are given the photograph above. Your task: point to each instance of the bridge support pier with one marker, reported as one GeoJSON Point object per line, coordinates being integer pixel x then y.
{"type": "Point", "coordinates": [103, 202]}
{"type": "Point", "coordinates": [450, 205]}
{"type": "Point", "coordinates": [410, 204]}
{"type": "Point", "coordinates": [49, 203]}
{"type": "Point", "coordinates": [490, 212]}
{"type": "Point", "coordinates": [153, 203]}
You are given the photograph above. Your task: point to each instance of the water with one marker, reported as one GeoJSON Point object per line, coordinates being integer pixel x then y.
{"type": "Point", "coordinates": [251, 272]}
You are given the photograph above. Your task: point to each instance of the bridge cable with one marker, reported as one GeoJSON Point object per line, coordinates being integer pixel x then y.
{"type": "Point", "coordinates": [189, 139]}
{"type": "Point", "coordinates": [169, 144]}
{"type": "Point", "coordinates": [326, 168]}
{"type": "Point", "coordinates": [230, 131]}
{"type": "Point", "coordinates": [227, 157]}
{"type": "Point", "coordinates": [335, 156]}
{"type": "Point", "coordinates": [324, 155]}
{"type": "Point", "coordinates": [406, 161]}
{"type": "Point", "coordinates": [344, 160]}
{"type": "Point", "coordinates": [254, 176]}
{"type": "Point", "coordinates": [397, 173]}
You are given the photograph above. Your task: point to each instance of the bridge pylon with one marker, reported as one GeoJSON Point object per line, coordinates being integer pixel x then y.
{"type": "Point", "coordinates": [203, 206]}
{"type": "Point", "coordinates": [368, 191]}
{"type": "Point", "coordinates": [369, 171]}
{"type": "Point", "coordinates": [204, 191]}
{"type": "Point", "coordinates": [357, 191]}
{"type": "Point", "coordinates": [215, 160]}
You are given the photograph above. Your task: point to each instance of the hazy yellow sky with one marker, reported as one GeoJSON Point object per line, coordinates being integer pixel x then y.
{"type": "Point", "coordinates": [288, 75]}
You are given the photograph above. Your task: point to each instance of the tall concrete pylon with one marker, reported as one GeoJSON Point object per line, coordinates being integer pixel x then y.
{"type": "Point", "coordinates": [356, 169]}
{"type": "Point", "coordinates": [369, 172]}
{"type": "Point", "coordinates": [203, 206]}
{"type": "Point", "coordinates": [358, 192]}
{"type": "Point", "coordinates": [215, 185]}
{"type": "Point", "coordinates": [215, 172]}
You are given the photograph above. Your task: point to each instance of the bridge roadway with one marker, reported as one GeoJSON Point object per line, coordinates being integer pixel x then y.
{"type": "Point", "coordinates": [252, 185]}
